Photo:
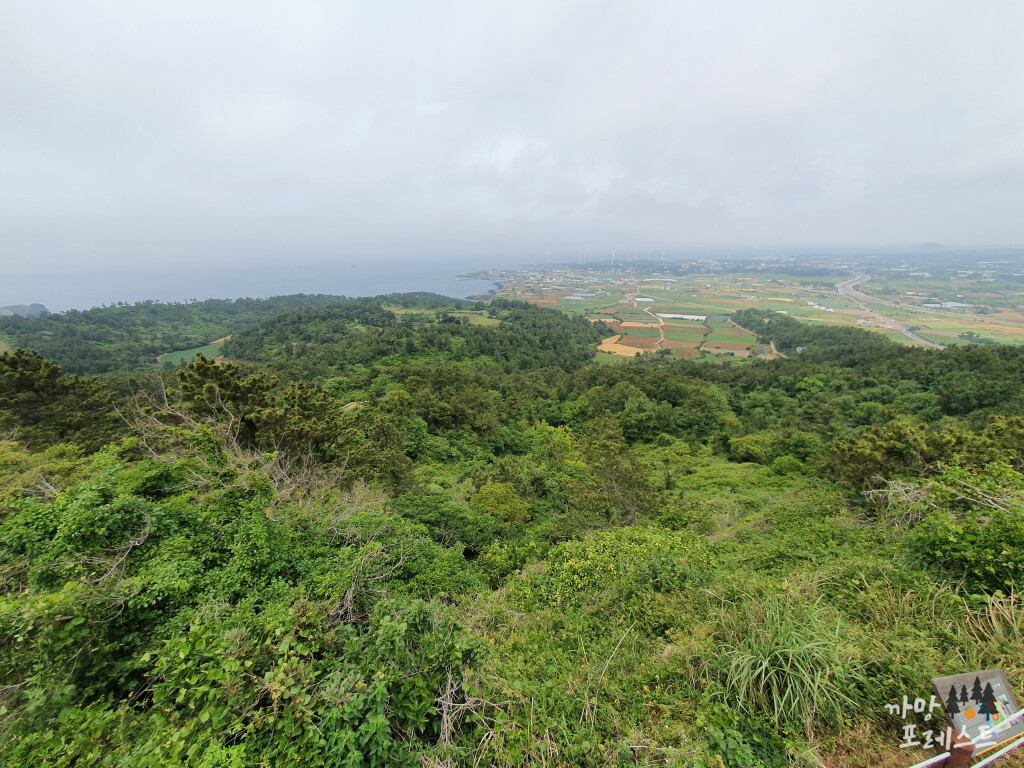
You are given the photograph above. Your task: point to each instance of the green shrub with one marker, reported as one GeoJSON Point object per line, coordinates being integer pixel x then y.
{"type": "Point", "coordinates": [502, 559]}
{"type": "Point", "coordinates": [786, 465]}
{"type": "Point", "coordinates": [501, 501]}
{"type": "Point", "coordinates": [694, 517]}
{"type": "Point", "coordinates": [624, 562]}
{"type": "Point", "coordinates": [985, 552]}
{"type": "Point", "coordinates": [449, 523]}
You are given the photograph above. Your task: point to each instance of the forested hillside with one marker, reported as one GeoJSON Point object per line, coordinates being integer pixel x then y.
{"type": "Point", "coordinates": [414, 531]}
{"type": "Point", "coordinates": [128, 337]}
{"type": "Point", "coordinates": [322, 342]}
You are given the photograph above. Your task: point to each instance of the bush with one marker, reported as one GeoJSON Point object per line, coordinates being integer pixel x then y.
{"type": "Point", "coordinates": [786, 465]}
{"type": "Point", "coordinates": [623, 562]}
{"type": "Point", "coordinates": [986, 552]}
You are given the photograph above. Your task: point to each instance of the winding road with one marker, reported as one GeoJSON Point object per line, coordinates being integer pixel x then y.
{"type": "Point", "coordinates": [848, 289]}
{"type": "Point", "coordinates": [661, 327]}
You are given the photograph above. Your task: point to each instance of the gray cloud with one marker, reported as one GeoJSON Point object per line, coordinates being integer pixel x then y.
{"type": "Point", "coordinates": [230, 131]}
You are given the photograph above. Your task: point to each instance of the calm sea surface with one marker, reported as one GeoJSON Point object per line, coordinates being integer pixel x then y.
{"type": "Point", "coordinates": [82, 290]}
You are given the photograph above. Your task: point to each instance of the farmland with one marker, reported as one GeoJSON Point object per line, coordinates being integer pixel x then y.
{"type": "Point", "coordinates": [684, 310]}
{"type": "Point", "coordinates": [211, 350]}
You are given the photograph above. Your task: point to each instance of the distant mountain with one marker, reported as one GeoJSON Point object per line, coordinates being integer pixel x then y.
{"type": "Point", "coordinates": [25, 310]}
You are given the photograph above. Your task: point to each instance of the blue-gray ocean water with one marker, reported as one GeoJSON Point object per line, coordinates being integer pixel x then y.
{"type": "Point", "coordinates": [83, 290]}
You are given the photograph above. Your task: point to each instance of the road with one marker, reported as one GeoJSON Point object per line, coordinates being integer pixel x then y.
{"type": "Point", "coordinates": [848, 289]}
{"type": "Point", "coordinates": [661, 326]}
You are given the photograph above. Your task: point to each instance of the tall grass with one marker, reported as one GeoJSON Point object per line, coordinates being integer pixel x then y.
{"type": "Point", "coordinates": [996, 628]}
{"type": "Point", "coordinates": [1000, 620]}
{"type": "Point", "coordinates": [784, 658]}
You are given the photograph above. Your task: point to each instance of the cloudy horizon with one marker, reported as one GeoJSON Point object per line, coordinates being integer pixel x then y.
{"type": "Point", "coordinates": [231, 134]}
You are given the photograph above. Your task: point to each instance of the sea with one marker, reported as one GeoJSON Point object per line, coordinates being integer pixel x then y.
{"type": "Point", "coordinates": [84, 289]}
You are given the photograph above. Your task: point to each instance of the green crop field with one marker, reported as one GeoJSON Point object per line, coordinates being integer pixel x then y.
{"type": "Point", "coordinates": [693, 336]}
{"type": "Point", "coordinates": [944, 340]}
{"type": "Point", "coordinates": [587, 305]}
{"type": "Point", "coordinates": [736, 338]}
{"type": "Point", "coordinates": [476, 318]}
{"type": "Point", "coordinates": [899, 338]}
{"type": "Point", "coordinates": [186, 355]}
{"type": "Point", "coordinates": [693, 328]}
{"type": "Point", "coordinates": [609, 358]}
{"type": "Point", "coordinates": [725, 331]}
{"type": "Point", "coordinates": [630, 315]}
{"type": "Point", "coordinates": [993, 311]}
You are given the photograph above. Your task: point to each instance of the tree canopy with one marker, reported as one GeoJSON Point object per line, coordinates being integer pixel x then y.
{"type": "Point", "coordinates": [415, 531]}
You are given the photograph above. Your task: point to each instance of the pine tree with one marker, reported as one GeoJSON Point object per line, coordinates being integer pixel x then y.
{"type": "Point", "coordinates": [42, 405]}
{"type": "Point", "coordinates": [988, 696]}
{"type": "Point", "coordinates": [976, 690]}
{"type": "Point", "coordinates": [618, 479]}
{"type": "Point", "coordinates": [951, 704]}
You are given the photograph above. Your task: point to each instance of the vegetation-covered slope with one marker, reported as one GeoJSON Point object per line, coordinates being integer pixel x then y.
{"type": "Point", "coordinates": [128, 337]}
{"type": "Point", "coordinates": [515, 335]}
{"type": "Point", "coordinates": [420, 532]}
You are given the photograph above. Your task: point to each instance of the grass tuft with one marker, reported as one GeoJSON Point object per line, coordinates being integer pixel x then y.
{"type": "Point", "coordinates": [787, 657]}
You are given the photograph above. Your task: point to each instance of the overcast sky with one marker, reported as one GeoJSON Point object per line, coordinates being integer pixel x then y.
{"type": "Point", "coordinates": [227, 132]}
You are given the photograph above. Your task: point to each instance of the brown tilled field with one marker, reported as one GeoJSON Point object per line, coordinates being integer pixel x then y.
{"type": "Point", "coordinates": [641, 342]}
{"type": "Point", "coordinates": [740, 350]}
{"type": "Point", "coordinates": [688, 350]}
{"type": "Point", "coordinates": [611, 345]}
{"type": "Point", "coordinates": [688, 353]}
{"type": "Point", "coordinates": [631, 324]}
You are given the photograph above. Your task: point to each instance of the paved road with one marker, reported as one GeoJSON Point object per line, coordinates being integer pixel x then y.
{"type": "Point", "coordinates": [848, 289]}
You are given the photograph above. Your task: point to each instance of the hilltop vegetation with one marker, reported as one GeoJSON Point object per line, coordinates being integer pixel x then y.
{"type": "Point", "coordinates": [363, 332]}
{"type": "Point", "coordinates": [414, 531]}
{"type": "Point", "coordinates": [129, 337]}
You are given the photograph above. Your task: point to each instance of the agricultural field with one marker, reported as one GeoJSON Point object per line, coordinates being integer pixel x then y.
{"type": "Point", "coordinates": [888, 301]}
{"type": "Point", "coordinates": [211, 350]}
{"type": "Point", "coordinates": [727, 338]}
{"type": "Point", "coordinates": [474, 317]}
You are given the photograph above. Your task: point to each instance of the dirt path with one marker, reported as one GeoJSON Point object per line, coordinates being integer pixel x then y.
{"type": "Point", "coordinates": [661, 327]}
{"type": "Point", "coordinates": [769, 355]}
{"type": "Point", "coordinates": [734, 324]}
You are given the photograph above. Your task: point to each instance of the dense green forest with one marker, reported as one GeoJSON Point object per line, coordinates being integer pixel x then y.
{"type": "Point", "coordinates": [415, 531]}
{"type": "Point", "coordinates": [131, 336]}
